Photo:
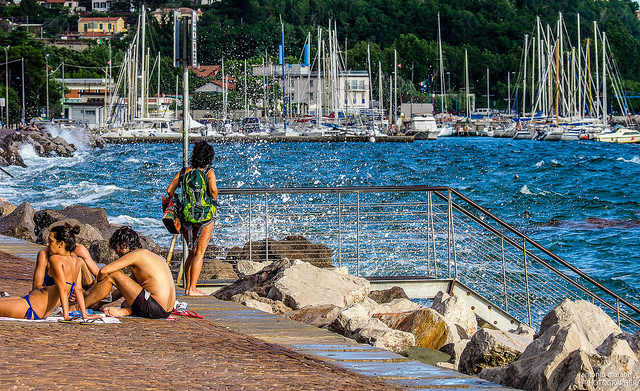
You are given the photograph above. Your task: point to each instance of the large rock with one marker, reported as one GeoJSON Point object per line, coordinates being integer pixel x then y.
{"type": "Point", "coordinates": [574, 348]}
{"type": "Point", "coordinates": [6, 207]}
{"type": "Point", "coordinates": [393, 307]}
{"type": "Point", "coordinates": [217, 270]}
{"type": "Point", "coordinates": [19, 223]}
{"type": "Point", "coordinates": [87, 236]}
{"type": "Point", "coordinates": [430, 328]}
{"type": "Point", "coordinates": [491, 348]}
{"type": "Point", "coordinates": [354, 322]}
{"type": "Point", "coordinates": [316, 254]}
{"type": "Point", "coordinates": [101, 252]}
{"type": "Point", "coordinates": [386, 295]}
{"type": "Point", "coordinates": [245, 267]}
{"type": "Point", "coordinates": [260, 282]}
{"type": "Point", "coordinates": [303, 284]}
{"type": "Point", "coordinates": [291, 247]}
{"type": "Point", "coordinates": [456, 311]}
{"type": "Point", "coordinates": [253, 300]}
{"type": "Point", "coordinates": [319, 316]}
{"type": "Point", "coordinates": [454, 351]}
{"type": "Point", "coordinates": [95, 217]}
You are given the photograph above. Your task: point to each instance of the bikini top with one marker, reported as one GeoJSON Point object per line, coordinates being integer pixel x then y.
{"type": "Point", "coordinates": [48, 281]}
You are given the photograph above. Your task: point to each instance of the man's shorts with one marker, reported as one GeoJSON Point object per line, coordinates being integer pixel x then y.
{"type": "Point", "coordinates": [147, 307]}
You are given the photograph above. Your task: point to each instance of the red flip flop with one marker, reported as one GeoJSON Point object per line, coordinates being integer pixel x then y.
{"type": "Point", "coordinates": [189, 314]}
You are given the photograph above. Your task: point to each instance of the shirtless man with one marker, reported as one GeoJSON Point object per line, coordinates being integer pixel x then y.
{"type": "Point", "coordinates": [150, 293]}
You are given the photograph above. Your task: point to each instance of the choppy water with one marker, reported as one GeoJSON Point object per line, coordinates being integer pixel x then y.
{"type": "Point", "coordinates": [526, 183]}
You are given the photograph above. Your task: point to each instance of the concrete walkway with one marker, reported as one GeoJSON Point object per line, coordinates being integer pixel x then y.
{"type": "Point", "coordinates": [309, 340]}
{"type": "Point", "coordinates": [333, 348]}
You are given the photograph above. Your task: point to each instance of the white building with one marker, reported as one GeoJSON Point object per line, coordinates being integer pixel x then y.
{"type": "Point", "coordinates": [308, 91]}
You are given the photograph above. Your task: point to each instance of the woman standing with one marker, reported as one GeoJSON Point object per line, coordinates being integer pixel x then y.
{"type": "Point", "coordinates": [197, 204]}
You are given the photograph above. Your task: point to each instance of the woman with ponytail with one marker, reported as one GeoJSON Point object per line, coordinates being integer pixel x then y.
{"type": "Point", "coordinates": [65, 269]}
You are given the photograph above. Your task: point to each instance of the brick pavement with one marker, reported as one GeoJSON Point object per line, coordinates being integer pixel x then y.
{"type": "Point", "coordinates": [151, 354]}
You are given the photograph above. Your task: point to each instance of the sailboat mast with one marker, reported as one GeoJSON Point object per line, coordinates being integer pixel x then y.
{"type": "Point", "coordinates": [395, 86]}
{"type": "Point", "coordinates": [466, 81]}
{"type": "Point", "coordinates": [143, 72]}
{"type": "Point", "coordinates": [604, 79]}
{"type": "Point", "coordinates": [524, 78]}
{"type": "Point", "coordinates": [441, 67]}
{"type": "Point", "coordinates": [380, 93]}
{"type": "Point", "coordinates": [284, 101]}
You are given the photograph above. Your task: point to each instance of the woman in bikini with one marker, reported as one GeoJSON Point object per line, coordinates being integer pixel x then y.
{"type": "Point", "coordinates": [65, 269]}
{"type": "Point", "coordinates": [42, 278]}
{"type": "Point", "coordinates": [198, 235]}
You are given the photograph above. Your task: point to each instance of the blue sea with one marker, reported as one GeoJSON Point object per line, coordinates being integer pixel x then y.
{"type": "Point", "coordinates": [589, 191]}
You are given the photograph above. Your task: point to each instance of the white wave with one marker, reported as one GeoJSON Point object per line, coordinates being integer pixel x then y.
{"type": "Point", "coordinates": [73, 135]}
{"type": "Point", "coordinates": [634, 159]}
{"type": "Point", "coordinates": [525, 190]}
{"type": "Point", "coordinates": [540, 163]}
{"type": "Point", "coordinates": [554, 161]}
{"type": "Point", "coordinates": [76, 193]}
{"type": "Point", "coordinates": [27, 151]}
{"type": "Point", "coordinates": [132, 160]}
{"type": "Point", "coordinates": [240, 184]}
{"type": "Point", "coordinates": [135, 221]}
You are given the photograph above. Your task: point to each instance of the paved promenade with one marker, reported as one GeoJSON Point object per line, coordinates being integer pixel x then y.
{"type": "Point", "coordinates": [234, 347]}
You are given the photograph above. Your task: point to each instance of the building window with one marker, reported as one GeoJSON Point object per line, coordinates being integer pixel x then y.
{"type": "Point", "coordinates": [311, 83]}
{"type": "Point", "coordinates": [109, 26]}
{"type": "Point", "coordinates": [311, 96]}
{"type": "Point", "coordinates": [354, 84]}
{"type": "Point", "coordinates": [85, 27]}
{"type": "Point", "coordinates": [100, 26]}
{"type": "Point", "coordinates": [362, 84]}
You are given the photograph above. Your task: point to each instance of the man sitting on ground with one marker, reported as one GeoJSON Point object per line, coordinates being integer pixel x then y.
{"type": "Point", "coordinates": [150, 293]}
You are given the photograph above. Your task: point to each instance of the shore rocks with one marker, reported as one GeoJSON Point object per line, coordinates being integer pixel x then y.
{"type": "Point", "coordinates": [303, 284]}
{"type": "Point", "coordinates": [319, 316]}
{"type": "Point", "coordinates": [456, 311]}
{"type": "Point", "coordinates": [491, 348]}
{"type": "Point", "coordinates": [355, 322]}
{"type": "Point", "coordinates": [291, 247]}
{"type": "Point", "coordinates": [387, 295]}
{"type": "Point", "coordinates": [6, 207]}
{"type": "Point", "coordinates": [42, 142]}
{"type": "Point", "coordinates": [218, 270]}
{"type": "Point", "coordinates": [577, 346]}
{"type": "Point", "coordinates": [427, 325]}
{"type": "Point", "coordinates": [19, 223]}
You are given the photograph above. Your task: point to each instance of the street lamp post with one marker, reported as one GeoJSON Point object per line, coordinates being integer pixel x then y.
{"type": "Point", "coordinates": [46, 71]}
{"type": "Point", "coordinates": [22, 119]}
{"type": "Point", "coordinates": [6, 88]}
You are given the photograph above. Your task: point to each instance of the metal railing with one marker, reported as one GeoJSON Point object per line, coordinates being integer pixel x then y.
{"type": "Point", "coordinates": [433, 232]}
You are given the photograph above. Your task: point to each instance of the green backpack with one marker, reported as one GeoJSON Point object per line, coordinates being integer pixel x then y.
{"type": "Point", "coordinates": [198, 205]}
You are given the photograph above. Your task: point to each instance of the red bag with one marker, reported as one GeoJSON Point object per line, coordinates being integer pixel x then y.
{"type": "Point", "coordinates": [170, 217]}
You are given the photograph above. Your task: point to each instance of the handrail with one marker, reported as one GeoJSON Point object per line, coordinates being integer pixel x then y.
{"type": "Point", "coordinates": [546, 264]}
{"type": "Point", "coordinates": [346, 189]}
{"type": "Point", "coordinates": [546, 251]}
{"type": "Point", "coordinates": [444, 193]}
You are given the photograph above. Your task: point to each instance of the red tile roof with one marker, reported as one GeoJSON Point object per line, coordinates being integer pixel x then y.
{"type": "Point", "coordinates": [206, 70]}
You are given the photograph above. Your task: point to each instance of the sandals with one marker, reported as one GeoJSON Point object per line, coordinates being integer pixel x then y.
{"type": "Point", "coordinates": [189, 314]}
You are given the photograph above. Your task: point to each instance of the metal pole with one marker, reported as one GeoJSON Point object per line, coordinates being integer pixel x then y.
{"type": "Point", "coordinates": [62, 99]}
{"type": "Point", "coordinates": [22, 117]}
{"type": "Point", "coordinates": [339, 230]}
{"type": "Point", "coordinates": [618, 310]}
{"type": "Point", "coordinates": [185, 112]}
{"type": "Point", "coordinates": [6, 88]}
{"type": "Point", "coordinates": [358, 236]}
{"type": "Point", "coordinates": [449, 233]}
{"type": "Point", "coordinates": [46, 70]}
{"type": "Point", "coordinates": [430, 236]}
{"type": "Point", "coordinates": [266, 226]}
{"type": "Point", "coordinates": [526, 279]}
{"type": "Point", "coordinates": [250, 221]}
{"type": "Point", "coordinates": [504, 275]}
